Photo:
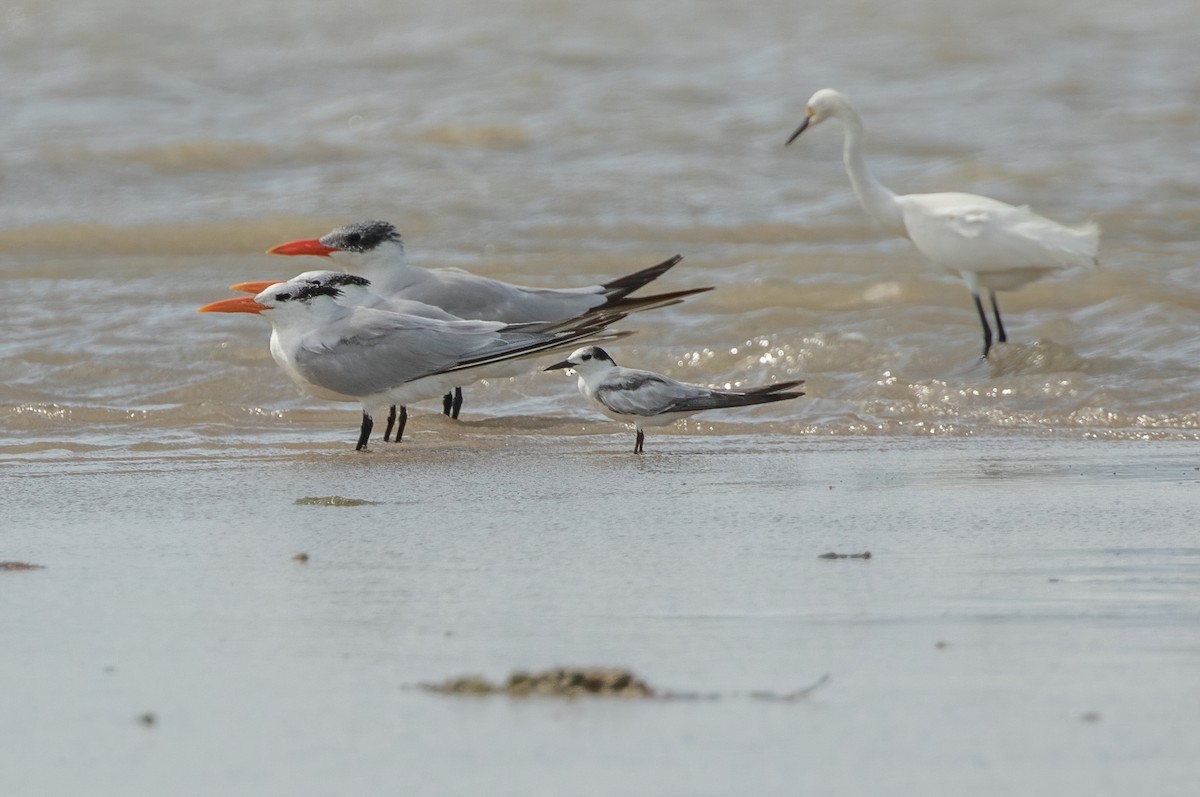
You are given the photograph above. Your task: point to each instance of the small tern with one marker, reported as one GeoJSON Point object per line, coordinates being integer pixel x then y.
{"type": "Point", "coordinates": [644, 398]}
{"type": "Point", "coordinates": [375, 250]}
{"type": "Point", "coordinates": [381, 358]}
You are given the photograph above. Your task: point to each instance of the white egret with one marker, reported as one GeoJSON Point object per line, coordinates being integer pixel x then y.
{"type": "Point", "coordinates": [994, 246]}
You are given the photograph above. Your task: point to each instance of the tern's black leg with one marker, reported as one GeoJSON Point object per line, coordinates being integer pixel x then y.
{"type": "Point", "coordinates": [641, 441]}
{"type": "Point", "coordinates": [457, 403]}
{"type": "Point", "coordinates": [365, 433]}
{"type": "Point", "coordinates": [987, 331]}
{"type": "Point", "coordinates": [403, 422]}
{"type": "Point", "coordinates": [1003, 337]}
{"type": "Point", "coordinates": [387, 432]}
{"type": "Point", "coordinates": [447, 404]}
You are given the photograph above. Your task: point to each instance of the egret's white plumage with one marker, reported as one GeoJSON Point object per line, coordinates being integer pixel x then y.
{"type": "Point", "coordinates": [994, 246]}
{"type": "Point", "coordinates": [644, 398]}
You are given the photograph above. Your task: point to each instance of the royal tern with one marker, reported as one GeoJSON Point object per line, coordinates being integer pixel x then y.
{"type": "Point", "coordinates": [644, 398]}
{"type": "Point", "coordinates": [381, 358]}
{"type": "Point", "coordinates": [992, 245]}
{"type": "Point", "coordinates": [356, 291]}
{"type": "Point", "coordinates": [375, 250]}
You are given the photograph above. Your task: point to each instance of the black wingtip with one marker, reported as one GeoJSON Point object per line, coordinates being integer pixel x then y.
{"type": "Point", "coordinates": [623, 286]}
{"type": "Point", "coordinates": [632, 304]}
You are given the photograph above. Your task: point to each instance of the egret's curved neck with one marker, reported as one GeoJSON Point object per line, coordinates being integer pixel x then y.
{"type": "Point", "coordinates": [876, 199]}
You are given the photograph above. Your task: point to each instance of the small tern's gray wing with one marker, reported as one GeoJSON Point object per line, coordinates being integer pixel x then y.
{"type": "Point", "coordinates": [643, 393]}
{"type": "Point", "coordinates": [713, 399]}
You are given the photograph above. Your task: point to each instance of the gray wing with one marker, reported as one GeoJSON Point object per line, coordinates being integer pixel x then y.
{"type": "Point", "coordinates": [373, 351]}
{"type": "Point", "coordinates": [645, 393]}
{"type": "Point", "coordinates": [468, 295]}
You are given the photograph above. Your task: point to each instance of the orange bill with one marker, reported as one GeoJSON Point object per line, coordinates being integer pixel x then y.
{"type": "Point", "coordinates": [238, 304]}
{"type": "Point", "coordinates": [254, 288]}
{"type": "Point", "coordinates": [308, 246]}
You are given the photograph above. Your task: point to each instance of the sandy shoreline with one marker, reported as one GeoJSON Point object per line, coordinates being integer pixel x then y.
{"type": "Point", "coordinates": [1027, 623]}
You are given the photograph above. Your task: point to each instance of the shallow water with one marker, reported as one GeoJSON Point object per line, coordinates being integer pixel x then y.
{"type": "Point", "coordinates": [147, 166]}
{"type": "Point", "coordinates": [1037, 511]}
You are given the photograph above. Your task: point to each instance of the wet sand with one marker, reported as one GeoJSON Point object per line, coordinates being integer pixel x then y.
{"type": "Point", "coordinates": [1027, 623]}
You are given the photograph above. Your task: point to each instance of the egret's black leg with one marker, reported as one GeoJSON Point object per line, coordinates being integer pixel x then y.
{"type": "Point", "coordinates": [364, 434]}
{"type": "Point", "coordinates": [447, 404]}
{"type": "Point", "coordinates": [1003, 337]}
{"type": "Point", "coordinates": [641, 441]}
{"type": "Point", "coordinates": [457, 403]}
{"type": "Point", "coordinates": [403, 422]}
{"type": "Point", "coordinates": [987, 331]}
{"type": "Point", "coordinates": [387, 432]}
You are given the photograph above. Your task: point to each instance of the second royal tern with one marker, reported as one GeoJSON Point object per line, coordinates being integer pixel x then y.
{"type": "Point", "coordinates": [375, 250]}
{"type": "Point", "coordinates": [382, 358]}
{"type": "Point", "coordinates": [644, 398]}
{"type": "Point", "coordinates": [992, 245]}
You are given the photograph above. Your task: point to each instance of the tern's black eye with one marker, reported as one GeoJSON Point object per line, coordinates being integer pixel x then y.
{"type": "Point", "coordinates": [283, 297]}
{"type": "Point", "coordinates": [354, 239]}
{"type": "Point", "coordinates": [587, 357]}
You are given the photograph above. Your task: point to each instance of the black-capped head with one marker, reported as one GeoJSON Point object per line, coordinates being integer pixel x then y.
{"type": "Point", "coordinates": [302, 292]}
{"type": "Point", "coordinates": [363, 236]}
{"type": "Point", "coordinates": [589, 358]}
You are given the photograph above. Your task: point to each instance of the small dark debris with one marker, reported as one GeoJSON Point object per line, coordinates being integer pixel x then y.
{"type": "Point", "coordinates": [571, 683]}
{"type": "Point", "coordinates": [331, 500]}
{"type": "Point", "coordinates": [565, 682]}
{"type": "Point", "coordinates": [464, 685]}
{"type": "Point", "coordinates": [788, 697]}
{"type": "Point", "coordinates": [832, 555]}
{"type": "Point", "coordinates": [301, 557]}
{"type": "Point", "coordinates": [941, 644]}
{"type": "Point", "coordinates": [20, 566]}
{"type": "Point", "coordinates": [1053, 580]}
{"type": "Point", "coordinates": [147, 718]}
{"type": "Point", "coordinates": [1090, 716]}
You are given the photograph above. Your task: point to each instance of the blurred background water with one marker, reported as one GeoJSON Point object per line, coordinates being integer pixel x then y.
{"type": "Point", "coordinates": [150, 152]}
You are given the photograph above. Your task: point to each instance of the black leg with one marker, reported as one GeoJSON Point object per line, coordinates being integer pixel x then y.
{"type": "Point", "coordinates": [365, 433]}
{"type": "Point", "coordinates": [447, 403]}
{"type": "Point", "coordinates": [641, 441]}
{"type": "Point", "coordinates": [387, 432]}
{"type": "Point", "coordinates": [987, 331]}
{"type": "Point", "coordinates": [1003, 337]}
{"type": "Point", "coordinates": [457, 403]}
{"type": "Point", "coordinates": [403, 422]}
